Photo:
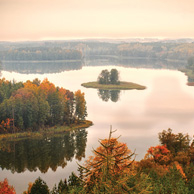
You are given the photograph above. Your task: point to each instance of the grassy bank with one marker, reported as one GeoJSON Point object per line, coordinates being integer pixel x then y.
{"type": "Point", "coordinates": [121, 86]}
{"type": "Point", "coordinates": [48, 132]}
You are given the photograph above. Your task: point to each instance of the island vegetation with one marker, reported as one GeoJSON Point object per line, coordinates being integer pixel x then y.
{"type": "Point", "coordinates": [166, 168]}
{"type": "Point", "coordinates": [39, 106]}
{"type": "Point", "coordinates": [110, 81]}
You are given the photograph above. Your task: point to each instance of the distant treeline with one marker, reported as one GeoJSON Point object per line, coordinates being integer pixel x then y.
{"type": "Point", "coordinates": [34, 104]}
{"type": "Point", "coordinates": [60, 50]}
{"type": "Point", "coordinates": [40, 53]}
{"type": "Point", "coordinates": [153, 50]}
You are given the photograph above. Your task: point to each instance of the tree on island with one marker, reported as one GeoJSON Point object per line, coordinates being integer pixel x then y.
{"type": "Point", "coordinates": [114, 76]}
{"type": "Point", "coordinates": [107, 77]}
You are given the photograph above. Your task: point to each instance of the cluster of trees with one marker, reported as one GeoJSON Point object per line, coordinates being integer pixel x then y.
{"type": "Point", "coordinates": [40, 153]}
{"type": "Point", "coordinates": [40, 53]}
{"type": "Point", "coordinates": [34, 104]}
{"type": "Point", "coordinates": [166, 168]}
{"type": "Point", "coordinates": [107, 77]}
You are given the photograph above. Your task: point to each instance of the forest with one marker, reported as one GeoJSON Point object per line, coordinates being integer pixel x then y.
{"type": "Point", "coordinates": [35, 105]}
{"type": "Point", "coordinates": [166, 168]}
{"type": "Point", "coordinates": [68, 50]}
{"type": "Point", "coordinates": [40, 54]}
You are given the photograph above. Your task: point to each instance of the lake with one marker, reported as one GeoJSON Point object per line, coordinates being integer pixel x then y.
{"type": "Point", "coordinates": [138, 116]}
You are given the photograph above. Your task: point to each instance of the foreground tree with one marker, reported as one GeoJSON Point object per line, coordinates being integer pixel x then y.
{"type": "Point", "coordinates": [107, 170]}
{"type": "Point", "coordinates": [5, 188]}
{"type": "Point", "coordinates": [39, 187]}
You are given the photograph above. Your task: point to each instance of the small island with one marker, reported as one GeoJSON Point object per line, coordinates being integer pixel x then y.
{"type": "Point", "coordinates": [110, 81]}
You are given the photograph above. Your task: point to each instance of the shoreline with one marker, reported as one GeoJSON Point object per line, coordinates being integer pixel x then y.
{"type": "Point", "coordinates": [45, 132]}
{"type": "Point", "coordinates": [121, 86]}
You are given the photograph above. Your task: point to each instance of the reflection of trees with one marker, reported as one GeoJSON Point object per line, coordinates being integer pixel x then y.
{"type": "Point", "coordinates": [133, 62]}
{"type": "Point", "coordinates": [42, 154]}
{"type": "Point", "coordinates": [41, 66]}
{"type": "Point", "coordinates": [105, 95]}
{"type": "Point", "coordinates": [114, 95]}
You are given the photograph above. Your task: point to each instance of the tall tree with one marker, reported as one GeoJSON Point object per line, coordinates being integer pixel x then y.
{"type": "Point", "coordinates": [174, 142]}
{"type": "Point", "coordinates": [80, 106]}
{"type": "Point", "coordinates": [104, 77]}
{"type": "Point", "coordinates": [114, 76]}
{"type": "Point", "coordinates": [39, 187]}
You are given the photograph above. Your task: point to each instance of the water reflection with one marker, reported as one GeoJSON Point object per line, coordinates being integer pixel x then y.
{"type": "Point", "coordinates": [105, 95]}
{"type": "Point", "coordinates": [133, 62]}
{"type": "Point", "coordinates": [41, 67]}
{"type": "Point", "coordinates": [42, 154]}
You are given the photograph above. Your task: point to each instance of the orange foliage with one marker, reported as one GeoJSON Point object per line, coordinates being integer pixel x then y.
{"type": "Point", "coordinates": [5, 188]}
{"type": "Point", "coordinates": [29, 188]}
{"type": "Point", "coordinates": [47, 87]}
{"type": "Point", "coordinates": [180, 169]}
{"type": "Point", "coordinates": [160, 154]}
{"type": "Point", "coordinates": [5, 125]}
{"type": "Point", "coordinates": [28, 84]}
{"type": "Point", "coordinates": [112, 156]}
{"type": "Point", "coordinates": [24, 94]}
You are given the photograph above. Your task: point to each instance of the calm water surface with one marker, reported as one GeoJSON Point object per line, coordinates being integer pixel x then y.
{"type": "Point", "coordinates": [138, 116]}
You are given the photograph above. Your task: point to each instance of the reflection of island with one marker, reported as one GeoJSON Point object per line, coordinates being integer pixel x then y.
{"type": "Point", "coordinates": [105, 95]}
{"type": "Point", "coordinates": [41, 67]}
{"type": "Point", "coordinates": [33, 154]}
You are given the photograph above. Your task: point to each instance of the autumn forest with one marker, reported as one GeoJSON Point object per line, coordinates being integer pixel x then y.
{"type": "Point", "coordinates": [35, 105]}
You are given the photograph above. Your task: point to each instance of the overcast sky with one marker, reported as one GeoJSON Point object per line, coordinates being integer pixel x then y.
{"type": "Point", "coordinates": [66, 19]}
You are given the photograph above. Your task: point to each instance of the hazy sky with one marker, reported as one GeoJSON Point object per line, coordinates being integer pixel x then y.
{"type": "Point", "coordinates": [66, 19]}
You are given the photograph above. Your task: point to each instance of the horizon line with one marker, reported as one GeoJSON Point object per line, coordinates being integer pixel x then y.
{"type": "Point", "coordinates": [96, 38]}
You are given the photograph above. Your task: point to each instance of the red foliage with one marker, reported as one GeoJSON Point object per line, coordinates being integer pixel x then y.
{"type": "Point", "coordinates": [160, 154]}
{"type": "Point", "coordinates": [5, 126]}
{"type": "Point", "coordinates": [5, 188]}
